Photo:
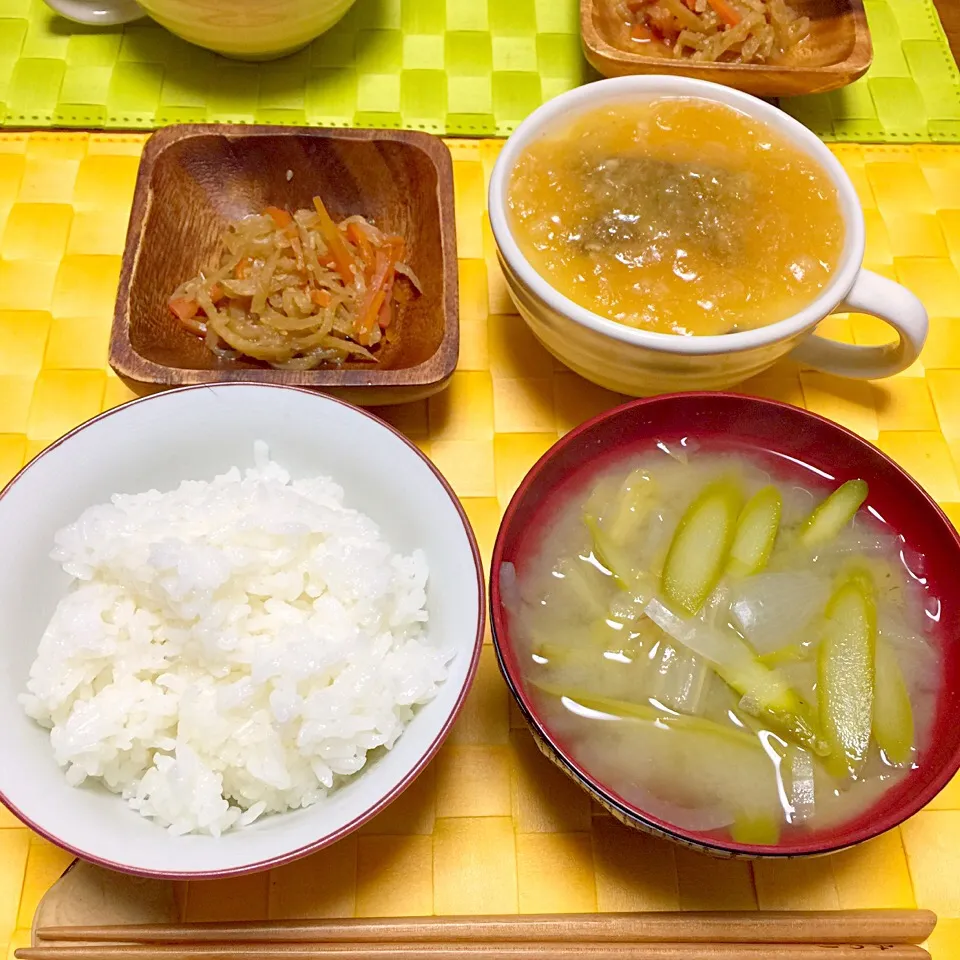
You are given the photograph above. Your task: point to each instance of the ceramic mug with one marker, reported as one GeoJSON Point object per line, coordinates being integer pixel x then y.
{"type": "Point", "coordinates": [643, 363]}
{"type": "Point", "coordinates": [246, 29]}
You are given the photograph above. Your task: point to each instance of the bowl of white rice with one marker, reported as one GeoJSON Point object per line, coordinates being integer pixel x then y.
{"type": "Point", "coordinates": [236, 621]}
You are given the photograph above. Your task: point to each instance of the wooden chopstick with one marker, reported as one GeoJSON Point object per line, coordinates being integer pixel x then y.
{"type": "Point", "coordinates": [841, 926]}
{"type": "Point", "coordinates": [483, 951]}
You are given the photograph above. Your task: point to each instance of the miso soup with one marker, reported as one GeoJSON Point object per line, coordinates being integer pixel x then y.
{"type": "Point", "coordinates": [677, 216]}
{"type": "Point", "coordinates": [738, 649]}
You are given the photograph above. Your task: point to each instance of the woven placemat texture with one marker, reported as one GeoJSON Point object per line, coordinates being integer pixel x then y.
{"type": "Point", "coordinates": [491, 826]}
{"type": "Point", "coordinates": [460, 67]}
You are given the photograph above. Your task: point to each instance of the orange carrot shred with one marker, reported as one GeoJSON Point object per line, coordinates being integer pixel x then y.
{"type": "Point", "coordinates": [338, 249]}
{"type": "Point", "coordinates": [365, 333]}
{"type": "Point", "coordinates": [184, 308]}
{"type": "Point", "coordinates": [280, 217]}
{"type": "Point", "coordinates": [725, 12]}
{"type": "Point", "coordinates": [386, 311]}
{"type": "Point", "coordinates": [398, 245]}
{"type": "Point", "coordinates": [373, 301]}
{"type": "Point", "coordinates": [356, 233]}
{"type": "Point", "coordinates": [321, 298]}
{"type": "Point", "coordinates": [386, 314]}
{"type": "Point", "coordinates": [216, 292]}
{"type": "Point", "coordinates": [640, 32]}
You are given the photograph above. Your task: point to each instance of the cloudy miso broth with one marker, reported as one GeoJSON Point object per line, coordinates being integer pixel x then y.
{"type": "Point", "coordinates": [676, 216]}
{"type": "Point", "coordinates": [728, 642]}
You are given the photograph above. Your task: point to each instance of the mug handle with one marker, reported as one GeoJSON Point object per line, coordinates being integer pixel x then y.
{"type": "Point", "coordinates": [891, 302]}
{"type": "Point", "coordinates": [101, 13]}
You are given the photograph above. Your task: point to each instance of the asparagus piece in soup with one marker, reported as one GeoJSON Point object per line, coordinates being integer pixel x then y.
{"type": "Point", "coordinates": [700, 546]}
{"type": "Point", "coordinates": [756, 531]}
{"type": "Point", "coordinates": [892, 713]}
{"type": "Point", "coordinates": [831, 516]}
{"type": "Point", "coordinates": [846, 675]}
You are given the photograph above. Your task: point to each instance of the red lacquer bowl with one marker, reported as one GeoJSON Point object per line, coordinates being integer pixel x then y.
{"type": "Point", "coordinates": [787, 431]}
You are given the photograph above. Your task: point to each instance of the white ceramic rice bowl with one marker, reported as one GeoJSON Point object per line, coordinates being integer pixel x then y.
{"type": "Point", "coordinates": [197, 433]}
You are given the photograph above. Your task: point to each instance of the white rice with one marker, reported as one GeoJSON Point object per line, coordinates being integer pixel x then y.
{"type": "Point", "coordinates": [230, 648]}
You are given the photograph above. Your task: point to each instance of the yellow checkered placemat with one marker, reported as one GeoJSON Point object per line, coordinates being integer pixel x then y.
{"type": "Point", "coordinates": [491, 826]}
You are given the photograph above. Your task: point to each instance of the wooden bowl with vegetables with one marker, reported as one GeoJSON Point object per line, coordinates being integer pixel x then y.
{"type": "Point", "coordinates": [770, 48]}
{"type": "Point", "coordinates": [732, 622]}
{"type": "Point", "coordinates": [316, 258]}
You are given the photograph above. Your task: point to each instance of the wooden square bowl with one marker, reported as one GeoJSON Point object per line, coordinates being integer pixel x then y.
{"type": "Point", "coordinates": [836, 52]}
{"type": "Point", "coordinates": [194, 179]}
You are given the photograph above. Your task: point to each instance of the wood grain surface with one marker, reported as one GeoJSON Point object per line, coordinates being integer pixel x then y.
{"type": "Point", "coordinates": [823, 927]}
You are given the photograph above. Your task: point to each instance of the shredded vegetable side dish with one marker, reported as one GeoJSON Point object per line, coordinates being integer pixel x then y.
{"type": "Point", "coordinates": [298, 290]}
{"type": "Point", "coordinates": [736, 31]}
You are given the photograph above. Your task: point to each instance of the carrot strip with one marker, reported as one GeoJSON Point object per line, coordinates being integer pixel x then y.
{"type": "Point", "coordinates": [216, 292]}
{"type": "Point", "coordinates": [366, 335]}
{"type": "Point", "coordinates": [184, 308]}
{"type": "Point", "coordinates": [321, 298]}
{"type": "Point", "coordinates": [280, 217]}
{"type": "Point", "coordinates": [640, 32]}
{"type": "Point", "coordinates": [346, 266]}
{"type": "Point", "coordinates": [356, 233]}
{"type": "Point", "coordinates": [725, 12]}
{"type": "Point", "coordinates": [386, 311]}
{"type": "Point", "coordinates": [373, 301]}
{"type": "Point", "coordinates": [397, 244]}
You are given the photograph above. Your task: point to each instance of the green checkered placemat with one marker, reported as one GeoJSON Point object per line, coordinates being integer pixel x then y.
{"type": "Point", "coordinates": [910, 93]}
{"type": "Point", "coordinates": [461, 67]}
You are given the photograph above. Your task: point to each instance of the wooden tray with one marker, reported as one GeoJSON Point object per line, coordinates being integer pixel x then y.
{"type": "Point", "coordinates": [837, 52]}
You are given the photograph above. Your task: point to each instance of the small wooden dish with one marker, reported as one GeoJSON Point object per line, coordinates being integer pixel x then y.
{"type": "Point", "coordinates": [836, 52]}
{"type": "Point", "coordinates": [193, 179]}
